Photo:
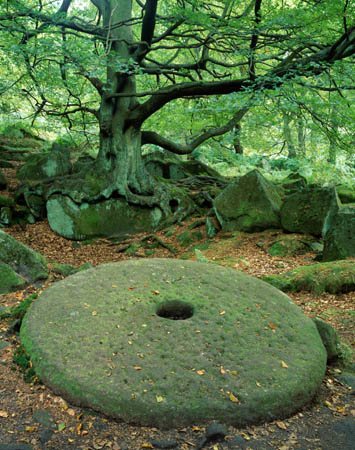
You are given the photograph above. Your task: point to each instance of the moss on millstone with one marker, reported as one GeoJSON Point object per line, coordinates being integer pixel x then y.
{"type": "Point", "coordinates": [96, 339]}
{"type": "Point", "coordinates": [334, 277]}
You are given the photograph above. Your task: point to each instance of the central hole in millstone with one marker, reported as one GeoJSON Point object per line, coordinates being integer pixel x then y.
{"type": "Point", "coordinates": [175, 310]}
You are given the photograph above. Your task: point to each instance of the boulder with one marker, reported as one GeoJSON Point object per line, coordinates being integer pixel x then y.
{"type": "Point", "coordinates": [305, 211]}
{"type": "Point", "coordinates": [168, 165]}
{"type": "Point", "coordinates": [9, 279]}
{"type": "Point", "coordinates": [46, 165]}
{"type": "Point", "coordinates": [3, 181]}
{"type": "Point", "coordinates": [339, 234]}
{"type": "Point", "coordinates": [293, 183]}
{"type": "Point", "coordinates": [113, 217]}
{"type": "Point", "coordinates": [27, 263]}
{"type": "Point", "coordinates": [250, 204]}
{"type": "Point", "coordinates": [334, 277]}
{"type": "Point", "coordinates": [290, 246]}
{"type": "Point", "coordinates": [329, 338]}
{"type": "Point", "coordinates": [346, 194]}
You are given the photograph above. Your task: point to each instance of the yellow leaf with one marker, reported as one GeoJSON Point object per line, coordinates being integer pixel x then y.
{"type": "Point", "coordinates": [137, 368]}
{"type": "Point", "coordinates": [281, 425]}
{"type": "Point", "coordinates": [257, 383]}
{"type": "Point", "coordinates": [222, 313]}
{"type": "Point", "coordinates": [71, 412]}
{"type": "Point", "coordinates": [156, 292]}
{"type": "Point", "coordinates": [147, 445]}
{"type": "Point", "coordinates": [94, 313]}
{"type": "Point", "coordinates": [4, 414]}
{"type": "Point", "coordinates": [200, 372]}
{"type": "Point", "coordinates": [222, 371]}
{"type": "Point", "coordinates": [30, 429]}
{"type": "Point", "coordinates": [284, 365]}
{"type": "Point", "coordinates": [114, 286]}
{"type": "Point", "coordinates": [159, 398]}
{"type": "Point", "coordinates": [234, 372]}
{"type": "Point", "coordinates": [233, 398]}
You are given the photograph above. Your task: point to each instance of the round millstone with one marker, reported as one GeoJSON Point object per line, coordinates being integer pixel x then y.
{"type": "Point", "coordinates": [168, 343]}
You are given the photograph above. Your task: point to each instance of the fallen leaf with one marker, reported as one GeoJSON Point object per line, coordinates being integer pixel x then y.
{"type": "Point", "coordinates": [61, 426]}
{"type": "Point", "coordinates": [233, 398]}
{"type": "Point", "coordinates": [147, 445]}
{"type": "Point", "coordinates": [94, 313]}
{"type": "Point", "coordinates": [222, 313]}
{"type": "Point", "coordinates": [159, 398]}
{"type": "Point", "coordinates": [137, 368]}
{"type": "Point", "coordinates": [4, 414]}
{"type": "Point", "coordinates": [234, 372]}
{"type": "Point", "coordinates": [156, 292]}
{"type": "Point", "coordinates": [200, 372]}
{"type": "Point", "coordinates": [30, 429]}
{"type": "Point", "coordinates": [272, 326]}
{"type": "Point", "coordinates": [71, 412]}
{"type": "Point", "coordinates": [222, 371]}
{"type": "Point", "coordinates": [281, 425]}
{"type": "Point", "coordinates": [258, 384]}
{"type": "Point", "coordinates": [284, 365]}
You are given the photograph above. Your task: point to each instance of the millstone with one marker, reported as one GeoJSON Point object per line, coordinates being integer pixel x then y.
{"type": "Point", "coordinates": [168, 343]}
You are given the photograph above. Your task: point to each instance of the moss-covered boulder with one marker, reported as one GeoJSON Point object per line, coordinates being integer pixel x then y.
{"type": "Point", "coordinates": [293, 183]}
{"type": "Point", "coordinates": [250, 204]}
{"type": "Point", "coordinates": [334, 277]}
{"type": "Point", "coordinates": [346, 194]}
{"type": "Point", "coordinates": [170, 166]}
{"type": "Point", "coordinates": [339, 234]}
{"type": "Point", "coordinates": [329, 338]}
{"type": "Point", "coordinates": [46, 165]}
{"type": "Point", "coordinates": [103, 218]}
{"type": "Point", "coordinates": [23, 260]}
{"type": "Point", "coordinates": [9, 279]}
{"type": "Point", "coordinates": [305, 211]}
{"type": "Point", "coordinates": [290, 246]}
{"type": "Point", "coordinates": [167, 343]}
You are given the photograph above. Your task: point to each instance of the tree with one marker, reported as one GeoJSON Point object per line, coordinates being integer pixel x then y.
{"type": "Point", "coordinates": [139, 57]}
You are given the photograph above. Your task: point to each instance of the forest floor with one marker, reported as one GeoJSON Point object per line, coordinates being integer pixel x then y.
{"type": "Point", "coordinates": [32, 417]}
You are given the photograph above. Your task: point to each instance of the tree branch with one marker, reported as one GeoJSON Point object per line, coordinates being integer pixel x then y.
{"type": "Point", "coordinates": [150, 137]}
{"type": "Point", "coordinates": [286, 70]}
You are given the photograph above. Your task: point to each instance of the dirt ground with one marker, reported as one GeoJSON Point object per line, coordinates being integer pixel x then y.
{"type": "Point", "coordinates": [32, 417]}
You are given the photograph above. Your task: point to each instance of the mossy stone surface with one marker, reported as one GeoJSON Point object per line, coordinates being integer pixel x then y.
{"type": "Point", "coordinates": [23, 260]}
{"type": "Point", "coordinates": [306, 211]}
{"type": "Point", "coordinates": [244, 352]}
{"type": "Point", "coordinates": [290, 246]}
{"type": "Point", "coordinates": [334, 277]}
{"type": "Point", "coordinates": [250, 204]}
{"type": "Point", "coordinates": [339, 234]}
{"type": "Point", "coordinates": [80, 221]}
{"type": "Point", "coordinates": [9, 280]}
